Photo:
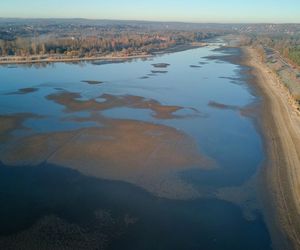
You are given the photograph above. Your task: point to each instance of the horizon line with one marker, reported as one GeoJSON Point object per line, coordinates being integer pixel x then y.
{"type": "Point", "coordinates": [145, 20]}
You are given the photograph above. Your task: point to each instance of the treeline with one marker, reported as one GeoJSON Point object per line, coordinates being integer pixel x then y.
{"type": "Point", "coordinates": [294, 54]}
{"type": "Point", "coordinates": [288, 46]}
{"type": "Point", "coordinates": [125, 42]}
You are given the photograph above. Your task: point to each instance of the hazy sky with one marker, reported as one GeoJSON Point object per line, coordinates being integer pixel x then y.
{"type": "Point", "coordinates": [161, 10]}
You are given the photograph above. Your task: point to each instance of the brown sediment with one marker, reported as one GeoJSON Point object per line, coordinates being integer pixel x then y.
{"type": "Point", "coordinates": [140, 153]}
{"type": "Point", "coordinates": [145, 154]}
{"type": "Point", "coordinates": [160, 65]}
{"type": "Point", "coordinates": [245, 196]}
{"type": "Point", "coordinates": [23, 91]}
{"type": "Point", "coordinates": [159, 71]}
{"type": "Point", "coordinates": [251, 110]}
{"type": "Point", "coordinates": [230, 78]}
{"type": "Point", "coordinates": [227, 57]}
{"type": "Point", "coordinates": [92, 82]}
{"type": "Point", "coordinates": [72, 103]}
{"type": "Point", "coordinates": [9, 123]}
{"type": "Point", "coordinates": [222, 106]}
{"type": "Point", "coordinates": [33, 150]}
{"type": "Point", "coordinates": [280, 123]}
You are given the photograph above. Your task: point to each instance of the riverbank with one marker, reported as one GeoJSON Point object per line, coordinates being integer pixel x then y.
{"type": "Point", "coordinates": [62, 58]}
{"type": "Point", "coordinates": [15, 60]}
{"type": "Point", "coordinates": [280, 123]}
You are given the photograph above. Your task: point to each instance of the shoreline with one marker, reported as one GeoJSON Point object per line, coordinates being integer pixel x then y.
{"type": "Point", "coordinates": [77, 59]}
{"type": "Point", "coordinates": [177, 48]}
{"type": "Point", "coordinates": [280, 177]}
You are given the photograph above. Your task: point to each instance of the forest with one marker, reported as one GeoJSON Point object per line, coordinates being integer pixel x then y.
{"type": "Point", "coordinates": [90, 40]}
{"type": "Point", "coordinates": [287, 45]}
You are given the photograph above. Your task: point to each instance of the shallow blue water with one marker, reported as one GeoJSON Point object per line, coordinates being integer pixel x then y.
{"type": "Point", "coordinates": [224, 135]}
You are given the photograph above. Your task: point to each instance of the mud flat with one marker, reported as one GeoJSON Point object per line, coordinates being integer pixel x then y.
{"type": "Point", "coordinates": [151, 162]}
{"type": "Point", "coordinates": [145, 154]}
{"type": "Point", "coordinates": [280, 123]}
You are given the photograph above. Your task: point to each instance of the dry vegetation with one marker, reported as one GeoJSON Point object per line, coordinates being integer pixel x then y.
{"type": "Point", "coordinates": [51, 40]}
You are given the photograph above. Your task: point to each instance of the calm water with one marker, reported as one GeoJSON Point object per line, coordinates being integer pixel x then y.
{"type": "Point", "coordinates": [222, 133]}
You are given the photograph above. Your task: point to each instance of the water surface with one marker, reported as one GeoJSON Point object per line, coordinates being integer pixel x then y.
{"type": "Point", "coordinates": [179, 164]}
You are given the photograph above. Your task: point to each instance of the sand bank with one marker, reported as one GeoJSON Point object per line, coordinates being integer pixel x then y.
{"type": "Point", "coordinates": [280, 123]}
{"type": "Point", "coordinates": [16, 60]}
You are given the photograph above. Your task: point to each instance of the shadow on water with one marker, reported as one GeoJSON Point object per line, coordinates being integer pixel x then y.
{"type": "Point", "coordinates": [140, 220]}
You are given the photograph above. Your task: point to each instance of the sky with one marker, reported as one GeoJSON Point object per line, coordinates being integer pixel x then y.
{"type": "Point", "coordinates": [275, 11]}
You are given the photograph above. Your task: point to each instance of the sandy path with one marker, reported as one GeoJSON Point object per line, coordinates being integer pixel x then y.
{"type": "Point", "coordinates": [281, 126]}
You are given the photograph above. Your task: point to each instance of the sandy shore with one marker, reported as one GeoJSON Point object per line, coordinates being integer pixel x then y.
{"type": "Point", "coordinates": [280, 123]}
{"type": "Point", "coordinates": [14, 60]}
